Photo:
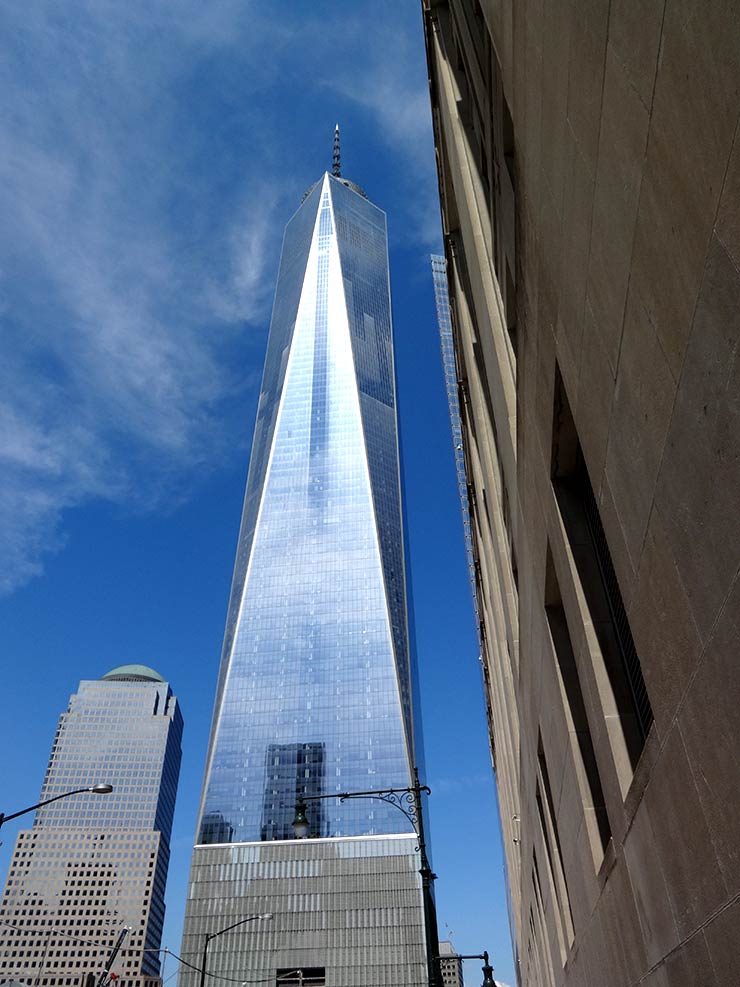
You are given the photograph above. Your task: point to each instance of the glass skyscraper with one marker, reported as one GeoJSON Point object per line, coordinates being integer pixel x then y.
{"type": "Point", "coordinates": [92, 865]}
{"type": "Point", "coordinates": [314, 694]}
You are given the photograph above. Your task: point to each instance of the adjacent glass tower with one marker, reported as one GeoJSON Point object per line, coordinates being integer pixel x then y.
{"type": "Point", "coordinates": [92, 865]}
{"type": "Point", "coordinates": [315, 687]}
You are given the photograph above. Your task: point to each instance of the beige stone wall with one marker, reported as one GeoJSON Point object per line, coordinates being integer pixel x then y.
{"type": "Point", "coordinates": [624, 233]}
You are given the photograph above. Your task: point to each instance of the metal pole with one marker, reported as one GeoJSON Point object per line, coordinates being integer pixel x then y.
{"type": "Point", "coordinates": [204, 960]}
{"type": "Point", "coordinates": [103, 790]}
{"type": "Point", "coordinates": [416, 819]}
{"type": "Point", "coordinates": [103, 980]}
{"type": "Point", "coordinates": [42, 964]}
{"type": "Point", "coordinates": [214, 935]}
{"type": "Point", "coordinates": [427, 879]}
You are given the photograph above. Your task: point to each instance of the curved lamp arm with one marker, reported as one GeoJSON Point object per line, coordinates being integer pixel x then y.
{"type": "Point", "coordinates": [95, 789]}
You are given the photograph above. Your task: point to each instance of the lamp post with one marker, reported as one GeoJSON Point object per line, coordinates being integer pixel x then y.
{"type": "Point", "coordinates": [95, 789]}
{"type": "Point", "coordinates": [215, 935]}
{"type": "Point", "coordinates": [488, 980]}
{"type": "Point", "coordinates": [408, 801]}
{"type": "Point", "coordinates": [105, 976]}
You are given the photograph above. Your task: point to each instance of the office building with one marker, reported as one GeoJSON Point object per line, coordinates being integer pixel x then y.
{"type": "Point", "coordinates": [315, 691]}
{"type": "Point", "coordinates": [450, 965]}
{"type": "Point", "coordinates": [589, 170]}
{"type": "Point", "coordinates": [91, 865]}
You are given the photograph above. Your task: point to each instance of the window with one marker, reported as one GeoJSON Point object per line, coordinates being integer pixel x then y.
{"type": "Point", "coordinates": [539, 918]}
{"type": "Point", "coordinates": [625, 698]}
{"type": "Point", "coordinates": [570, 685]}
{"type": "Point", "coordinates": [551, 839]}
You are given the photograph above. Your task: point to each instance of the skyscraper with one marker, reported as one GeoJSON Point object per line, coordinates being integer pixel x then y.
{"type": "Point", "coordinates": [314, 694]}
{"type": "Point", "coordinates": [88, 867]}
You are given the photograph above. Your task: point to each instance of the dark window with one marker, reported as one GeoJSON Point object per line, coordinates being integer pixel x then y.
{"type": "Point", "coordinates": [510, 305]}
{"type": "Point", "coordinates": [508, 141]}
{"type": "Point", "coordinates": [574, 695]}
{"type": "Point", "coordinates": [541, 925]}
{"type": "Point", "coordinates": [543, 794]}
{"type": "Point", "coordinates": [309, 976]}
{"type": "Point", "coordinates": [593, 560]}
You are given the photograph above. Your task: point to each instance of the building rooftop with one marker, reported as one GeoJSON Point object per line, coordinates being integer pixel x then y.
{"type": "Point", "coordinates": [132, 673]}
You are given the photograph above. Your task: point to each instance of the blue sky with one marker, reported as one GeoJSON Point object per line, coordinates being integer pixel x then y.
{"type": "Point", "coordinates": [150, 156]}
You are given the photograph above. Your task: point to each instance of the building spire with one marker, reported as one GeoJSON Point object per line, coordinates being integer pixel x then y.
{"type": "Point", "coordinates": [336, 168]}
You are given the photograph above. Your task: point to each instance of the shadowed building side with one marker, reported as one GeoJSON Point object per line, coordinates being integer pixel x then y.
{"type": "Point", "coordinates": [589, 163]}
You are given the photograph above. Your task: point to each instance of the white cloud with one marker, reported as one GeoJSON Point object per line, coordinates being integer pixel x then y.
{"type": "Point", "coordinates": [142, 198]}
{"type": "Point", "coordinates": [112, 344]}
{"type": "Point", "coordinates": [248, 289]}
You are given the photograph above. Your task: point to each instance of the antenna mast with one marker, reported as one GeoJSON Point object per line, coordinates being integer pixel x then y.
{"type": "Point", "coordinates": [336, 168]}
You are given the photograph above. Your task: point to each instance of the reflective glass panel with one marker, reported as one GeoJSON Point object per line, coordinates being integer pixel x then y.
{"type": "Point", "coordinates": [313, 694]}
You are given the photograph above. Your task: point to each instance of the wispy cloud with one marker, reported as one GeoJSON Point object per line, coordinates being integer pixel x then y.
{"type": "Point", "coordinates": [115, 320]}
{"type": "Point", "coordinates": [143, 191]}
{"type": "Point", "coordinates": [242, 289]}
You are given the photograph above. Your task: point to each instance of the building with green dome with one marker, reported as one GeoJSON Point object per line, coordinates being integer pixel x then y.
{"type": "Point", "coordinates": [92, 865]}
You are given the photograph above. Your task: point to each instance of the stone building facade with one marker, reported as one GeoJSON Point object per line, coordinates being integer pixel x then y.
{"type": "Point", "coordinates": [589, 166]}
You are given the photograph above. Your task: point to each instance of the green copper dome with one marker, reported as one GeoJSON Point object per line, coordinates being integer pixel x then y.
{"type": "Point", "coordinates": [132, 673]}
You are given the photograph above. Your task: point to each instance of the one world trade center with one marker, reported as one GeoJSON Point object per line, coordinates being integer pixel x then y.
{"type": "Point", "coordinates": [315, 693]}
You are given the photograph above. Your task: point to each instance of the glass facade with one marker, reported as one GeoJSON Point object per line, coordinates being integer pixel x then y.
{"type": "Point", "coordinates": [449, 366]}
{"type": "Point", "coordinates": [314, 695]}
{"type": "Point", "coordinates": [314, 692]}
{"type": "Point", "coordinates": [91, 864]}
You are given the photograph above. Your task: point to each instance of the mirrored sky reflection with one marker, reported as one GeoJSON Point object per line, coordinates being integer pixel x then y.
{"type": "Point", "coordinates": [315, 694]}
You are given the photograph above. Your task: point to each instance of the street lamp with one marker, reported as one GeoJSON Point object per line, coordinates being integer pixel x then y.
{"type": "Point", "coordinates": [408, 800]}
{"type": "Point", "coordinates": [488, 980]}
{"type": "Point", "coordinates": [95, 789]}
{"type": "Point", "coordinates": [215, 935]}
